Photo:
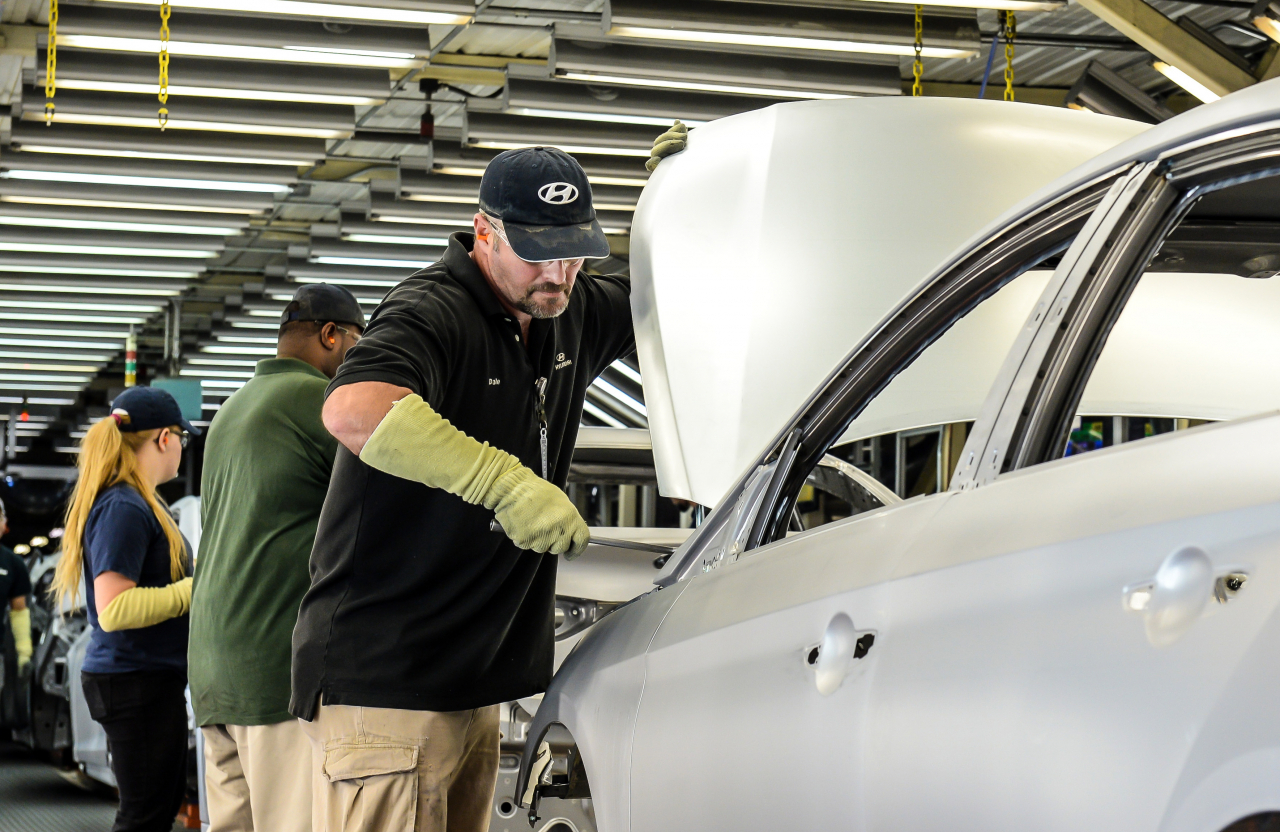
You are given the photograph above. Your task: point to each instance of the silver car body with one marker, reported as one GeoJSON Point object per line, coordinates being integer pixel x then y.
{"type": "Point", "coordinates": [1070, 643]}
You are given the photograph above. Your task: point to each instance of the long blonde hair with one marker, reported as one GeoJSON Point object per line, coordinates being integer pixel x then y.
{"type": "Point", "coordinates": [109, 456]}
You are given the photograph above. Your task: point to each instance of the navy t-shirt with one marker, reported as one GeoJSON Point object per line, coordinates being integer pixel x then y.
{"type": "Point", "coordinates": [14, 580]}
{"type": "Point", "coordinates": [123, 535]}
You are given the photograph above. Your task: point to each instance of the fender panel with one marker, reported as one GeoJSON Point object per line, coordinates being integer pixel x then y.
{"type": "Point", "coordinates": [595, 696]}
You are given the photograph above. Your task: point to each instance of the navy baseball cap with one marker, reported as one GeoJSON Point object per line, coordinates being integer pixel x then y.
{"type": "Point", "coordinates": [542, 196]}
{"type": "Point", "coordinates": [323, 302]}
{"type": "Point", "coordinates": [145, 408]}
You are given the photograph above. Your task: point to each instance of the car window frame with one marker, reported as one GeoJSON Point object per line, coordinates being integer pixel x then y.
{"type": "Point", "coordinates": [1032, 428]}
{"type": "Point", "coordinates": [955, 290]}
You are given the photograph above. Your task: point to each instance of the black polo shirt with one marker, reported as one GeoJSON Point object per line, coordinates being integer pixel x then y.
{"type": "Point", "coordinates": [414, 603]}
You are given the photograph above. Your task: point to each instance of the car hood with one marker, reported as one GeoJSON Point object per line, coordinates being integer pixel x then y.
{"type": "Point", "coordinates": [762, 254]}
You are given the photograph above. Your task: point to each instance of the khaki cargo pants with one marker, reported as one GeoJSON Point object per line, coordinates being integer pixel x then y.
{"type": "Point", "coordinates": [385, 770]}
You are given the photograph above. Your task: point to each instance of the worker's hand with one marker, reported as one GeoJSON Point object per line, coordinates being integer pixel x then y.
{"type": "Point", "coordinates": [673, 141]}
{"type": "Point", "coordinates": [538, 516]}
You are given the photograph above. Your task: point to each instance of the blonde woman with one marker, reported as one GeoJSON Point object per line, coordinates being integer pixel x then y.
{"type": "Point", "coordinates": [122, 541]}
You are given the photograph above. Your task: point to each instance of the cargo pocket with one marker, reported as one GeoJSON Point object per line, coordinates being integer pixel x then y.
{"type": "Point", "coordinates": [371, 786]}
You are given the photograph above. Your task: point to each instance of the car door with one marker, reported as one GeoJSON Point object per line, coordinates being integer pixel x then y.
{"type": "Point", "coordinates": [752, 712]}
{"type": "Point", "coordinates": [1017, 685]}
{"type": "Point", "coordinates": [756, 706]}
{"type": "Point", "coordinates": [1061, 637]}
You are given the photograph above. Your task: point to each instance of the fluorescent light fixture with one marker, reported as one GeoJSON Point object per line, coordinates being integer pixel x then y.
{"type": "Point", "coordinates": [188, 124]}
{"type": "Point", "coordinates": [324, 11]}
{"type": "Point", "coordinates": [594, 179]}
{"type": "Point", "coordinates": [371, 261]}
{"type": "Point", "coordinates": [999, 5]}
{"type": "Point", "coordinates": [285, 296]}
{"type": "Point", "coordinates": [120, 251]}
{"type": "Point", "coordinates": [39, 377]}
{"type": "Point", "coordinates": [409, 241]}
{"type": "Point", "coordinates": [615, 206]}
{"type": "Point", "coordinates": [350, 281]}
{"type": "Point", "coordinates": [215, 373]}
{"type": "Point", "coordinates": [286, 54]}
{"type": "Point", "coordinates": [603, 415]}
{"type": "Point", "coordinates": [1266, 16]}
{"type": "Point", "coordinates": [57, 356]}
{"type": "Point", "coordinates": [37, 343]}
{"type": "Point", "coordinates": [80, 317]}
{"type": "Point", "coordinates": [698, 86]}
{"type": "Point", "coordinates": [162, 154]}
{"type": "Point", "coordinates": [103, 272]}
{"type": "Point", "coordinates": [458, 200]}
{"type": "Point", "coordinates": [422, 220]}
{"type": "Point", "coordinates": [248, 339]}
{"type": "Point", "coordinates": [621, 397]}
{"type": "Point", "coordinates": [336, 50]}
{"type": "Point", "coordinates": [221, 92]}
{"type": "Point", "coordinates": [144, 181]}
{"type": "Point", "coordinates": [117, 203]}
{"type": "Point", "coordinates": [111, 225]}
{"type": "Point", "coordinates": [117, 338]}
{"type": "Point", "coordinates": [265, 313]}
{"type": "Point", "coordinates": [626, 371]}
{"type": "Point", "coordinates": [85, 290]}
{"type": "Point", "coordinates": [219, 349]}
{"type": "Point", "coordinates": [220, 383]}
{"type": "Point", "coordinates": [785, 42]}
{"type": "Point", "coordinates": [567, 148]}
{"type": "Point", "coordinates": [223, 362]}
{"type": "Point", "coordinates": [48, 368]}
{"type": "Point", "coordinates": [49, 401]}
{"type": "Point", "coordinates": [88, 306]}
{"type": "Point", "coordinates": [256, 324]}
{"type": "Point", "coordinates": [1185, 81]}
{"type": "Point", "coordinates": [612, 118]}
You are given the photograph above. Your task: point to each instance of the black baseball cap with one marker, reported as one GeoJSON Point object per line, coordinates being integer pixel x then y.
{"type": "Point", "coordinates": [144, 408]}
{"type": "Point", "coordinates": [543, 198]}
{"type": "Point", "coordinates": [323, 302]}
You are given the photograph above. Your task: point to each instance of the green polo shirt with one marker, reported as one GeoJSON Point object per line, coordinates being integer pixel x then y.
{"type": "Point", "coordinates": [267, 461]}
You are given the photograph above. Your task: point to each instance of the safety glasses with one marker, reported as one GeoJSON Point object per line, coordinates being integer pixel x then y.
{"type": "Point", "coordinates": [496, 224]}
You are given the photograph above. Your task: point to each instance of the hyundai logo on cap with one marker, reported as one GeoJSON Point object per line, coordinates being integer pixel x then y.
{"type": "Point", "coordinates": [558, 193]}
{"type": "Point", "coordinates": [542, 196]}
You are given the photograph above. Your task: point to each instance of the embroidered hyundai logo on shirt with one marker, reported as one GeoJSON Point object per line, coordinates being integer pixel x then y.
{"type": "Point", "coordinates": [558, 193]}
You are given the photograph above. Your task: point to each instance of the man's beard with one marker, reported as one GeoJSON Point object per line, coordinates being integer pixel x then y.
{"type": "Point", "coordinates": [550, 308]}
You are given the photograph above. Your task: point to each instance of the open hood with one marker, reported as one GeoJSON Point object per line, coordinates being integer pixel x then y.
{"type": "Point", "coordinates": [762, 254]}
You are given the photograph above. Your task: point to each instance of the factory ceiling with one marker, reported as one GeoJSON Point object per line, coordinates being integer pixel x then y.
{"type": "Point", "coordinates": [343, 142]}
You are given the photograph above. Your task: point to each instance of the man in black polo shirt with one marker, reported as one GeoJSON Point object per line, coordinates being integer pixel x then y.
{"type": "Point", "coordinates": [460, 404]}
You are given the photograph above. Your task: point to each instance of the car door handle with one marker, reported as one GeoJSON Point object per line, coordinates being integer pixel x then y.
{"type": "Point", "coordinates": [1174, 599]}
{"type": "Point", "coordinates": [833, 659]}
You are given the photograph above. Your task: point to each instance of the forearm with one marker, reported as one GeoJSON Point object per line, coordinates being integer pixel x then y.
{"type": "Point", "coordinates": [20, 624]}
{"type": "Point", "coordinates": [146, 606]}
{"type": "Point", "coordinates": [353, 411]}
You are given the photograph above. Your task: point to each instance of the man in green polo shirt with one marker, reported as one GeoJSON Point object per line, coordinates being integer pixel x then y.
{"type": "Point", "coordinates": [267, 462]}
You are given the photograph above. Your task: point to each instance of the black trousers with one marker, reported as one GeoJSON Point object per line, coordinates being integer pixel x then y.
{"type": "Point", "coordinates": [145, 716]}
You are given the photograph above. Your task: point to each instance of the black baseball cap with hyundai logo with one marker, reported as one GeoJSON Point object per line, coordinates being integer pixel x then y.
{"type": "Point", "coordinates": [542, 196]}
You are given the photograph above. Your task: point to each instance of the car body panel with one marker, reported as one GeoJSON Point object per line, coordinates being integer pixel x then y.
{"type": "Point", "coordinates": [723, 637]}
{"type": "Point", "coordinates": [1008, 640]}
{"type": "Point", "coordinates": [814, 218]}
{"type": "Point", "coordinates": [1015, 679]}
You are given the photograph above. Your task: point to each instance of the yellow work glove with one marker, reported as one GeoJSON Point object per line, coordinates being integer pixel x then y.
{"type": "Point", "coordinates": [673, 141]}
{"type": "Point", "coordinates": [20, 623]}
{"type": "Point", "coordinates": [414, 442]}
{"type": "Point", "coordinates": [146, 606]}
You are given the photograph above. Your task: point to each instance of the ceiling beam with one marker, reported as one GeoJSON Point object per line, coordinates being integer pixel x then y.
{"type": "Point", "coordinates": [1171, 43]}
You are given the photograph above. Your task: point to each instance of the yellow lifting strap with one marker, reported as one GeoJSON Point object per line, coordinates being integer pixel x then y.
{"type": "Point", "coordinates": [917, 67]}
{"type": "Point", "coordinates": [164, 63]}
{"type": "Point", "coordinates": [1010, 34]}
{"type": "Point", "coordinates": [51, 63]}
